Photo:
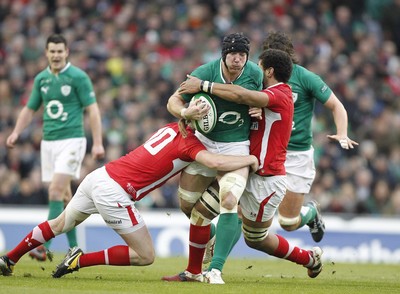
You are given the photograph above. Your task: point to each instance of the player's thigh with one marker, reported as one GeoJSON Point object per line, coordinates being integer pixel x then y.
{"type": "Point", "coordinates": [192, 179]}
{"type": "Point", "coordinates": [113, 204]}
{"type": "Point", "coordinates": [291, 204]}
{"type": "Point", "coordinates": [193, 182]}
{"type": "Point", "coordinates": [261, 199]}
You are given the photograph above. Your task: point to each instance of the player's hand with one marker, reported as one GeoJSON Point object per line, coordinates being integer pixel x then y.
{"type": "Point", "coordinates": [254, 166]}
{"type": "Point", "coordinates": [11, 140]}
{"type": "Point", "coordinates": [255, 112]}
{"type": "Point", "coordinates": [98, 151]}
{"type": "Point", "coordinates": [345, 143]}
{"type": "Point", "coordinates": [190, 86]}
{"type": "Point", "coordinates": [196, 110]}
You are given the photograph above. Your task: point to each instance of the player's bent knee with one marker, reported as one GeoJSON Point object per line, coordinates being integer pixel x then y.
{"type": "Point", "coordinates": [231, 189]}
{"type": "Point", "coordinates": [187, 200]}
{"type": "Point", "coordinates": [73, 217]}
{"type": "Point", "coordinates": [288, 223]}
{"type": "Point", "coordinates": [149, 259]}
{"type": "Point", "coordinates": [254, 236]}
{"type": "Point", "coordinates": [198, 219]}
{"type": "Point", "coordinates": [210, 201]}
{"type": "Point", "coordinates": [188, 196]}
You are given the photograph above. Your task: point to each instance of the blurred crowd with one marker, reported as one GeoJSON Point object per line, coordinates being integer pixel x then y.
{"type": "Point", "coordinates": [138, 52]}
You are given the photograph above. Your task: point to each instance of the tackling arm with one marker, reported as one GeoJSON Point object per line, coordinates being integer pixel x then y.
{"type": "Point", "coordinates": [228, 92]}
{"type": "Point", "coordinates": [226, 162]}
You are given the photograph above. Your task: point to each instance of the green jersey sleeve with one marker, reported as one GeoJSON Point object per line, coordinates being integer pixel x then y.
{"type": "Point", "coordinates": [35, 99]}
{"type": "Point", "coordinates": [307, 87]}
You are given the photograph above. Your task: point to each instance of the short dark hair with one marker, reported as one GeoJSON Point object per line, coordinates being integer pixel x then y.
{"type": "Point", "coordinates": [56, 38]}
{"type": "Point", "coordinates": [236, 42]}
{"type": "Point", "coordinates": [281, 41]}
{"type": "Point", "coordinates": [280, 61]}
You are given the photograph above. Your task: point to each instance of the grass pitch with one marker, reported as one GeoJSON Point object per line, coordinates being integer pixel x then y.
{"type": "Point", "coordinates": [247, 276]}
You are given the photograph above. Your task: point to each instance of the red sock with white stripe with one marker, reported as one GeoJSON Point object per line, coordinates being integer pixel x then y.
{"type": "Point", "coordinates": [292, 253]}
{"type": "Point", "coordinates": [40, 234]}
{"type": "Point", "coordinates": [198, 239]}
{"type": "Point", "coordinates": [117, 255]}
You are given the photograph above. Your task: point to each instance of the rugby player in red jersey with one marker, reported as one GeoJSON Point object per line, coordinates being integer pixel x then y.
{"type": "Point", "coordinates": [112, 191]}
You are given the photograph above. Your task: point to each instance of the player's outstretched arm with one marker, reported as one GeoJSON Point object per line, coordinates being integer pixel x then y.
{"type": "Point", "coordinates": [226, 162]}
{"type": "Point", "coordinates": [228, 92]}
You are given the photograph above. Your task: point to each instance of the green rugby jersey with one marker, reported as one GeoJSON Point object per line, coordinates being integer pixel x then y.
{"type": "Point", "coordinates": [307, 87]}
{"type": "Point", "coordinates": [233, 120]}
{"type": "Point", "coordinates": [64, 97]}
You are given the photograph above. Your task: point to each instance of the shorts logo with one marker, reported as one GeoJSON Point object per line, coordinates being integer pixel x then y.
{"type": "Point", "coordinates": [66, 90]}
{"type": "Point", "coordinates": [113, 221]}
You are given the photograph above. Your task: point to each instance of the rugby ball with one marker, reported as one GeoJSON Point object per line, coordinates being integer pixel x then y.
{"type": "Point", "coordinates": [207, 123]}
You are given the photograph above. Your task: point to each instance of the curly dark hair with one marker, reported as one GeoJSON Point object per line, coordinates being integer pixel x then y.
{"type": "Point", "coordinates": [280, 61]}
{"type": "Point", "coordinates": [281, 41]}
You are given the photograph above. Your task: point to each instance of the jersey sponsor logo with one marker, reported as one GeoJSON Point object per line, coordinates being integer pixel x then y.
{"type": "Point", "coordinates": [65, 90]}
{"type": "Point", "coordinates": [55, 110]}
{"type": "Point", "coordinates": [231, 118]}
{"type": "Point", "coordinates": [44, 89]}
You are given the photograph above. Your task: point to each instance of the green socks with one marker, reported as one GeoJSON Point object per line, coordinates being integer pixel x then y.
{"type": "Point", "coordinates": [213, 230]}
{"type": "Point", "coordinates": [307, 214]}
{"type": "Point", "coordinates": [227, 236]}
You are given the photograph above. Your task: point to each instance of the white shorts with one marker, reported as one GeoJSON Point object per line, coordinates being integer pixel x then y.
{"type": "Point", "coordinates": [262, 197]}
{"type": "Point", "coordinates": [62, 157]}
{"type": "Point", "coordinates": [300, 170]}
{"type": "Point", "coordinates": [234, 148]}
{"type": "Point", "coordinates": [98, 193]}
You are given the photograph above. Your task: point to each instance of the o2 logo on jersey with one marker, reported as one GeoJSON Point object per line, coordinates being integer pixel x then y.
{"type": "Point", "coordinates": [231, 118]}
{"type": "Point", "coordinates": [55, 110]}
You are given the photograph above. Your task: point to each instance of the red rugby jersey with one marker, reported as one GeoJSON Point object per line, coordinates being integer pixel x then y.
{"type": "Point", "coordinates": [150, 165]}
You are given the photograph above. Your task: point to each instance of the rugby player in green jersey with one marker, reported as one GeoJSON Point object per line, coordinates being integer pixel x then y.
{"type": "Point", "coordinates": [65, 92]}
{"type": "Point", "coordinates": [229, 136]}
{"type": "Point", "coordinates": [307, 88]}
